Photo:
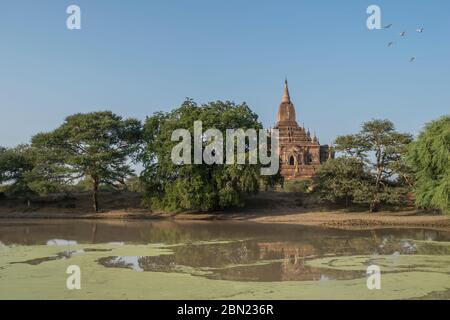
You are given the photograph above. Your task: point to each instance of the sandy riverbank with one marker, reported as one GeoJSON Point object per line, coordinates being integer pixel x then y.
{"type": "Point", "coordinates": [267, 207]}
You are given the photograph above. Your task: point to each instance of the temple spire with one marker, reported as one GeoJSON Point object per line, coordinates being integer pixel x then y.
{"type": "Point", "coordinates": [286, 111]}
{"type": "Point", "coordinates": [286, 98]}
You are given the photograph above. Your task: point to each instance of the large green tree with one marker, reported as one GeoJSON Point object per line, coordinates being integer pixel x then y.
{"type": "Point", "coordinates": [382, 149]}
{"type": "Point", "coordinates": [202, 187]}
{"type": "Point", "coordinates": [429, 157]}
{"type": "Point", "coordinates": [15, 165]}
{"type": "Point", "coordinates": [96, 146]}
{"type": "Point", "coordinates": [342, 180]}
{"type": "Point", "coordinates": [21, 174]}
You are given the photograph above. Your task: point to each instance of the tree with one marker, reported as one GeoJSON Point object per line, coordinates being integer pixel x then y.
{"type": "Point", "coordinates": [18, 170]}
{"type": "Point", "coordinates": [4, 167]}
{"type": "Point", "coordinates": [429, 157]}
{"type": "Point", "coordinates": [204, 187]}
{"type": "Point", "coordinates": [96, 146]}
{"type": "Point", "coordinates": [341, 180]}
{"type": "Point", "coordinates": [382, 149]}
{"type": "Point", "coordinates": [15, 164]}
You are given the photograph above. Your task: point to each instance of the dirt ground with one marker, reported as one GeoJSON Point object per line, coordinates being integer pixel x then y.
{"type": "Point", "coordinates": [266, 207]}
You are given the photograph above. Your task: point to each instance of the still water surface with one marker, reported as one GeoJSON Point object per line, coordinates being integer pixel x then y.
{"type": "Point", "coordinates": [235, 252]}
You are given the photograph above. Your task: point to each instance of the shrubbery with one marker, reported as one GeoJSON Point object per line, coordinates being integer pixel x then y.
{"type": "Point", "coordinates": [299, 186]}
{"type": "Point", "coordinates": [94, 151]}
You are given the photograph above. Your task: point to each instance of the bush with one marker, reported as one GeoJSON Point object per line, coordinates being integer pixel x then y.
{"type": "Point", "coordinates": [134, 184]}
{"type": "Point", "coordinates": [300, 186]}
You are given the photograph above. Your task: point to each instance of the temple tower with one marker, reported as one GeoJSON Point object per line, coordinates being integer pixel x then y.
{"type": "Point", "coordinates": [300, 154]}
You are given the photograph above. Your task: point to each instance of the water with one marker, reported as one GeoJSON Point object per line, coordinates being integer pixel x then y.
{"type": "Point", "coordinates": [229, 259]}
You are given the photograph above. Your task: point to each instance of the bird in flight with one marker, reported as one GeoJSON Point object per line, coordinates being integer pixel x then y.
{"type": "Point", "coordinates": [388, 26]}
{"type": "Point", "coordinates": [390, 44]}
{"type": "Point", "coordinates": [413, 59]}
{"type": "Point", "coordinates": [403, 33]}
{"type": "Point", "coordinates": [420, 30]}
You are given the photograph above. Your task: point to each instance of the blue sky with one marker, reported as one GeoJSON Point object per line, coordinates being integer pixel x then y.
{"type": "Point", "coordinates": [137, 57]}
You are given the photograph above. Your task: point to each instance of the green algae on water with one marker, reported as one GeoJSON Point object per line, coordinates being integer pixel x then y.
{"type": "Point", "coordinates": [403, 277]}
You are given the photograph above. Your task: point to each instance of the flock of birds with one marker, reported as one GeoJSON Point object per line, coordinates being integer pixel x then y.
{"type": "Point", "coordinates": [403, 35]}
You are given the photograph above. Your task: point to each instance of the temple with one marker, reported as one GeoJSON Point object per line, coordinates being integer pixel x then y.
{"type": "Point", "coordinates": [300, 154]}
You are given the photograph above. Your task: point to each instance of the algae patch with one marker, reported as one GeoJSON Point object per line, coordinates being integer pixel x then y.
{"type": "Point", "coordinates": [403, 276]}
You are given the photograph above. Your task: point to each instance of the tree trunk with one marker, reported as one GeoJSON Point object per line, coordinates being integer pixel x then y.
{"type": "Point", "coordinates": [379, 166]}
{"type": "Point", "coordinates": [95, 194]}
{"type": "Point", "coordinates": [374, 206]}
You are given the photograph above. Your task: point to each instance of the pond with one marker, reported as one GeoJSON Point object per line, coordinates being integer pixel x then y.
{"type": "Point", "coordinates": [218, 260]}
